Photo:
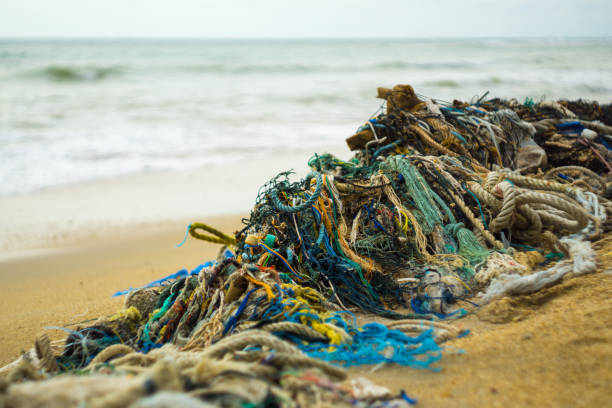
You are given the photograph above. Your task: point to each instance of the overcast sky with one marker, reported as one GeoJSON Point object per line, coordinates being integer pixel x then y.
{"type": "Point", "coordinates": [304, 18]}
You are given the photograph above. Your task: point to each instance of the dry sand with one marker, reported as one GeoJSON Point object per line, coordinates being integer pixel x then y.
{"type": "Point", "coordinates": [553, 348]}
{"type": "Point", "coordinates": [549, 349]}
{"type": "Point", "coordinates": [68, 284]}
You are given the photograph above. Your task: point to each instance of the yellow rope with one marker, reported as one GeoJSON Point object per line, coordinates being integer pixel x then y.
{"type": "Point", "coordinates": [217, 236]}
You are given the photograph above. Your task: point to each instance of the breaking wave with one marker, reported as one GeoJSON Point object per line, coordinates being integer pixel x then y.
{"type": "Point", "coordinates": [65, 73]}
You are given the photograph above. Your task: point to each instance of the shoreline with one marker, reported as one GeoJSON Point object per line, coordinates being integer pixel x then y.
{"type": "Point", "coordinates": [65, 250]}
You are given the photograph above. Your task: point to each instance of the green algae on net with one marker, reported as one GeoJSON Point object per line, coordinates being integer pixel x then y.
{"type": "Point", "coordinates": [443, 207]}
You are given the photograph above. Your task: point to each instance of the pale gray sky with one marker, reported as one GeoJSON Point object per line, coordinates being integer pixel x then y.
{"type": "Point", "coordinates": [304, 18]}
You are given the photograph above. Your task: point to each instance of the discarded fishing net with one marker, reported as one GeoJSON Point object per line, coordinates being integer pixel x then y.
{"type": "Point", "coordinates": [443, 207]}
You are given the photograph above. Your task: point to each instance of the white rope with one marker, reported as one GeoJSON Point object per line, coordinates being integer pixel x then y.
{"type": "Point", "coordinates": [582, 261]}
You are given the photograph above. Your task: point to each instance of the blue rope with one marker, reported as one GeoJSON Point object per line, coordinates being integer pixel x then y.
{"type": "Point", "coordinates": [384, 149]}
{"type": "Point", "coordinates": [372, 344]}
{"type": "Point", "coordinates": [289, 209]}
{"type": "Point", "coordinates": [184, 239]}
{"type": "Point", "coordinates": [183, 273]}
{"type": "Point", "coordinates": [373, 218]}
{"type": "Point", "coordinates": [405, 397]}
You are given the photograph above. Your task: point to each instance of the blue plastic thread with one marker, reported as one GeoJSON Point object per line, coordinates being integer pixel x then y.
{"type": "Point", "coordinates": [479, 207]}
{"type": "Point", "coordinates": [406, 398]}
{"type": "Point", "coordinates": [231, 322]}
{"type": "Point", "coordinates": [186, 236]}
{"type": "Point", "coordinates": [183, 273]}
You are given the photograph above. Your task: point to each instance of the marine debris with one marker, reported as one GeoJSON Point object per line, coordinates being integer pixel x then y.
{"type": "Point", "coordinates": [442, 208]}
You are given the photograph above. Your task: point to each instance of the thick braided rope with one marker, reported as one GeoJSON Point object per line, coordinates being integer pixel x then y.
{"type": "Point", "coordinates": [578, 213]}
{"type": "Point", "coordinates": [492, 179]}
{"type": "Point", "coordinates": [306, 204]}
{"type": "Point", "coordinates": [581, 169]}
{"type": "Point", "coordinates": [287, 359]}
{"type": "Point", "coordinates": [476, 222]}
{"type": "Point", "coordinates": [555, 244]}
{"type": "Point", "coordinates": [479, 237]}
{"type": "Point", "coordinates": [250, 338]}
{"type": "Point", "coordinates": [587, 172]}
{"type": "Point", "coordinates": [544, 125]}
{"type": "Point", "coordinates": [487, 199]}
{"type": "Point", "coordinates": [504, 218]}
{"type": "Point", "coordinates": [532, 227]}
{"type": "Point", "coordinates": [560, 222]}
{"type": "Point", "coordinates": [207, 369]}
{"type": "Point", "coordinates": [298, 329]}
{"type": "Point", "coordinates": [355, 228]}
{"type": "Point", "coordinates": [538, 184]}
{"type": "Point", "coordinates": [135, 359]}
{"type": "Point", "coordinates": [111, 352]}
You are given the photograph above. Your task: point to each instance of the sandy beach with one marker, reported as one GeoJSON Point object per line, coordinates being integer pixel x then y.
{"type": "Point", "coordinates": [62, 285]}
{"type": "Point", "coordinates": [416, 212]}
{"type": "Point", "coordinates": [548, 349]}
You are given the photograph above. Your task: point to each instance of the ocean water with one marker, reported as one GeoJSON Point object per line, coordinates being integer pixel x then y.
{"type": "Point", "coordinates": [78, 110]}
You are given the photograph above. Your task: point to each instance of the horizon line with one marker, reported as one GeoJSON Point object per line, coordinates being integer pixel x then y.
{"type": "Point", "coordinates": [178, 37]}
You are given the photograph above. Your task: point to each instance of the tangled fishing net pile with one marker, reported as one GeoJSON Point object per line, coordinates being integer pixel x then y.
{"type": "Point", "coordinates": [444, 207]}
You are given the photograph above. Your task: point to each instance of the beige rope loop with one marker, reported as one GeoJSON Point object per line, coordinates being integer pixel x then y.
{"type": "Point", "coordinates": [296, 328]}
{"type": "Point", "coordinates": [492, 179]}
{"type": "Point", "coordinates": [111, 352]}
{"type": "Point", "coordinates": [440, 335]}
{"type": "Point", "coordinates": [505, 217]}
{"type": "Point", "coordinates": [530, 229]}
{"type": "Point", "coordinates": [424, 323]}
{"type": "Point", "coordinates": [250, 338]}
{"type": "Point", "coordinates": [135, 359]}
{"type": "Point", "coordinates": [590, 173]}
{"type": "Point", "coordinates": [545, 124]}
{"type": "Point", "coordinates": [559, 222]}
{"type": "Point", "coordinates": [578, 213]}
{"type": "Point", "coordinates": [584, 186]}
{"type": "Point", "coordinates": [285, 359]}
{"type": "Point", "coordinates": [539, 184]}
{"type": "Point", "coordinates": [581, 169]}
{"type": "Point", "coordinates": [486, 199]}
{"type": "Point", "coordinates": [207, 369]}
